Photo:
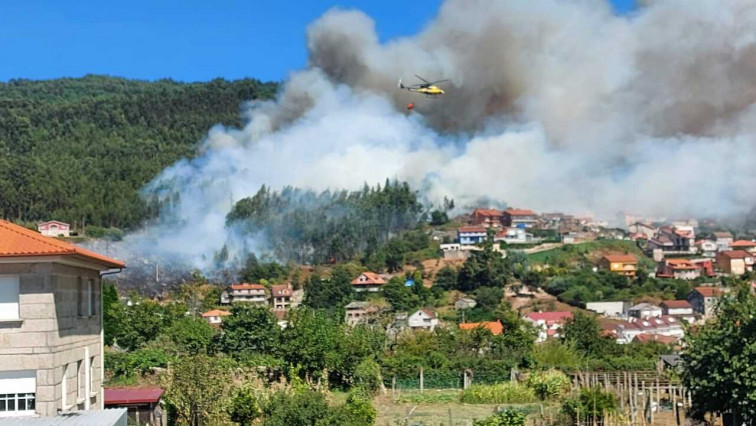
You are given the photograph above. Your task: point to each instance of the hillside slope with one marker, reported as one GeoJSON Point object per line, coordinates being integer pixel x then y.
{"type": "Point", "coordinates": [80, 149]}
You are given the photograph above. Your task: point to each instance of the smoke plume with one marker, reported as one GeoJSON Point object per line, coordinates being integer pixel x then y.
{"type": "Point", "coordinates": [551, 105]}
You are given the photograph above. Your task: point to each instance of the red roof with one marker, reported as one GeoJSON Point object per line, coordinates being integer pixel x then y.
{"type": "Point", "coordinates": [495, 327]}
{"type": "Point", "coordinates": [648, 337]}
{"type": "Point", "coordinates": [281, 290]}
{"type": "Point", "coordinates": [470, 229]}
{"type": "Point", "coordinates": [709, 291]}
{"type": "Point", "coordinates": [17, 241]}
{"type": "Point", "coordinates": [144, 395]}
{"type": "Point", "coordinates": [549, 316]}
{"type": "Point", "coordinates": [519, 212]}
{"type": "Point", "coordinates": [487, 212]}
{"type": "Point", "coordinates": [621, 258]}
{"type": "Point", "coordinates": [680, 264]}
{"type": "Point", "coordinates": [676, 304]}
{"type": "Point", "coordinates": [247, 286]}
{"type": "Point", "coordinates": [735, 254]}
{"type": "Point", "coordinates": [216, 313]}
{"type": "Point", "coordinates": [742, 244]}
{"type": "Point", "coordinates": [371, 278]}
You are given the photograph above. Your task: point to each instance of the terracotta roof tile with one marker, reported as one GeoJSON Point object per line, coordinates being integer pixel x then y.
{"type": "Point", "coordinates": [216, 313]}
{"type": "Point", "coordinates": [468, 229]}
{"type": "Point", "coordinates": [629, 258]}
{"type": "Point", "coordinates": [519, 212]}
{"type": "Point", "coordinates": [247, 286]}
{"type": "Point", "coordinates": [17, 241]}
{"type": "Point", "coordinates": [709, 291]}
{"type": "Point", "coordinates": [742, 243]}
{"type": "Point", "coordinates": [495, 327]}
{"type": "Point", "coordinates": [676, 304]}
{"type": "Point", "coordinates": [550, 316]}
{"type": "Point", "coordinates": [372, 278]}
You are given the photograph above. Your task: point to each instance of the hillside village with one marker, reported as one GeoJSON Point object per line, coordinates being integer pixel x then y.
{"type": "Point", "coordinates": [674, 249]}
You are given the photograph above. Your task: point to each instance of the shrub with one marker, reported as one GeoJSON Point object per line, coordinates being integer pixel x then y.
{"type": "Point", "coordinates": [508, 417]}
{"type": "Point", "coordinates": [548, 385]}
{"type": "Point", "coordinates": [367, 375]}
{"type": "Point", "coordinates": [245, 406]}
{"type": "Point", "coordinates": [502, 393]}
{"type": "Point", "coordinates": [592, 404]}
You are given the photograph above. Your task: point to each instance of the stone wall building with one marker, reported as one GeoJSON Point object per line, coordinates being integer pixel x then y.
{"type": "Point", "coordinates": [51, 340]}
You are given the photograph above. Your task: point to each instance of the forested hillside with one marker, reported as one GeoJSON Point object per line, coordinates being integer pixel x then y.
{"type": "Point", "coordinates": [80, 149]}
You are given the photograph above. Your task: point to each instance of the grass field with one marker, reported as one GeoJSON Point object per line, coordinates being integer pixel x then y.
{"type": "Point", "coordinates": [593, 250]}
{"type": "Point", "coordinates": [432, 409]}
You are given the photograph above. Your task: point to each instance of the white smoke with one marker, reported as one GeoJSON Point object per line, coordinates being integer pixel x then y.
{"type": "Point", "coordinates": [551, 105]}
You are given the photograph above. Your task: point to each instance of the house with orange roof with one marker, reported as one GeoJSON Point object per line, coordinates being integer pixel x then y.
{"type": "Point", "coordinates": [744, 245]}
{"type": "Point", "coordinates": [519, 218]}
{"type": "Point", "coordinates": [423, 319]}
{"type": "Point", "coordinates": [680, 269]}
{"type": "Point", "coordinates": [215, 316]}
{"type": "Point", "coordinates": [495, 327]}
{"type": "Point", "coordinates": [284, 297]}
{"type": "Point", "coordinates": [735, 262]}
{"type": "Point", "coordinates": [51, 347]}
{"type": "Point", "coordinates": [244, 293]}
{"type": "Point", "coordinates": [368, 282]}
{"type": "Point", "coordinates": [487, 218]}
{"type": "Point", "coordinates": [624, 264]}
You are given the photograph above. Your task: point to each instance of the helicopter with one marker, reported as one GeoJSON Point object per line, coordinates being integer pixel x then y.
{"type": "Point", "coordinates": [427, 88]}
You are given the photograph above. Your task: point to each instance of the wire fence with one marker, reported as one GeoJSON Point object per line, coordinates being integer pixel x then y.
{"type": "Point", "coordinates": [432, 379]}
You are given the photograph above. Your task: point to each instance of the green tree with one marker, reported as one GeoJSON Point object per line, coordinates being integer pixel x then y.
{"type": "Point", "coordinates": [197, 389]}
{"type": "Point", "coordinates": [720, 359]}
{"type": "Point", "coordinates": [488, 298]}
{"type": "Point", "coordinates": [311, 340]}
{"type": "Point", "coordinates": [246, 405]}
{"type": "Point", "coordinates": [583, 332]}
{"type": "Point", "coordinates": [332, 293]}
{"type": "Point", "coordinates": [446, 278]}
{"type": "Point", "coordinates": [139, 323]}
{"type": "Point", "coordinates": [192, 335]}
{"type": "Point", "coordinates": [250, 330]}
{"type": "Point", "coordinates": [484, 268]}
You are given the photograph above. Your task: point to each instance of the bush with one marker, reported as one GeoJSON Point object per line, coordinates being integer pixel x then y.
{"type": "Point", "coordinates": [358, 411]}
{"type": "Point", "coordinates": [549, 385]}
{"type": "Point", "coordinates": [591, 404]}
{"type": "Point", "coordinates": [245, 406]}
{"type": "Point", "coordinates": [502, 393]}
{"type": "Point", "coordinates": [367, 375]}
{"type": "Point", "coordinates": [508, 417]}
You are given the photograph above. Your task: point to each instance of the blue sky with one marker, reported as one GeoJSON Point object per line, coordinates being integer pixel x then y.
{"type": "Point", "coordinates": [188, 40]}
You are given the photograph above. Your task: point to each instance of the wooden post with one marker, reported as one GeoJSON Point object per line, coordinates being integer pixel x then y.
{"type": "Point", "coordinates": [451, 419]}
{"type": "Point", "coordinates": [393, 385]}
{"type": "Point", "coordinates": [422, 384]}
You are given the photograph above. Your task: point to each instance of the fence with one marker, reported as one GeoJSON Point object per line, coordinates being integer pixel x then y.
{"type": "Point", "coordinates": [434, 379]}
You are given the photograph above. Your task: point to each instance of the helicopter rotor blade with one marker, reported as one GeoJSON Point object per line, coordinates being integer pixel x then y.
{"type": "Point", "coordinates": [426, 81]}
{"type": "Point", "coordinates": [438, 81]}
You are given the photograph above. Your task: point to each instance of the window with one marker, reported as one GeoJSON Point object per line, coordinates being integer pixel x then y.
{"type": "Point", "coordinates": [16, 402]}
{"type": "Point", "coordinates": [91, 374]}
{"type": "Point", "coordinates": [17, 392]}
{"type": "Point", "coordinates": [90, 298]}
{"type": "Point", "coordinates": [80, 297]}
{"type": "Point", "coordinates": [80, 380]}
{"type": "Point", "coordinates": [8, 298]}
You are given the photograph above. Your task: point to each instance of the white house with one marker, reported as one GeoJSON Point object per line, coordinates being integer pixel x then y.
{"type": "Point", "coordinates": [548, 323]}
{"type": "Point", "coordinates": [681, 309]}
{"type": "Point", "coordinates": [626, 331]}
{"type": "Point", "coordinates": [215, 316]}
{"type": "Point", "coordinates": [609, 309]}
{"type": "Point", "coordinates": [468, 235]}
{"type": "Point", "coordinates": [645, 310]}
{"type": "Point", "coordinates": [423, 319]}
{"type": "Point", "coordinates": [515, 236]}
{"type": "Point", "coordinates": [54, 228]}
{"type": "Point", "coordinates": [464, 303]}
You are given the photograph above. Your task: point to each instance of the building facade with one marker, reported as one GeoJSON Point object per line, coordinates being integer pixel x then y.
{"type": "Point", "coordinates": [468, 235]}
{"type": "Point", "coordinates": [54, 228]}
{"type": "Point", "coordinates": [624, 264]}
{"type": "Point", "coordinates": [519, 218]}
{"type": "Point", "coordinates": [51, 341]}
{"type": "Point", "coordinates": [245, 293]}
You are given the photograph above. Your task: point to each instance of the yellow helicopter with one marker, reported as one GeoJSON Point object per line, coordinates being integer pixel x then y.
{"type": "Point", "coordinates": [427, 88]}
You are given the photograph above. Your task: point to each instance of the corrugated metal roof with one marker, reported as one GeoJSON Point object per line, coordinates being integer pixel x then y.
{"type": "Point", "coordinates": [107, 417]}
